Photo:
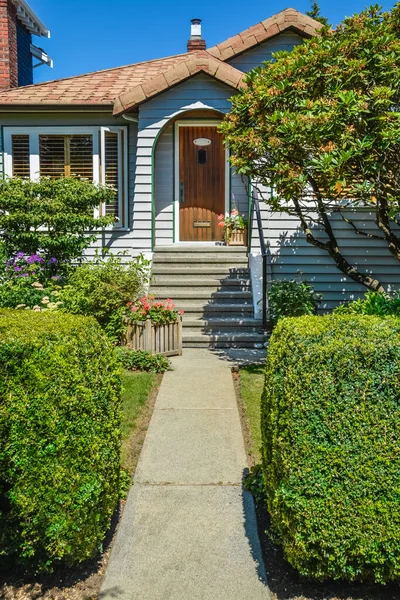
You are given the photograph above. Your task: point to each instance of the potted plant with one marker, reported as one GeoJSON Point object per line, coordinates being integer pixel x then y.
{"type": "Point", "coordinates": [153, 325]}
{"type": "Point", "coordinates": [235, 228]}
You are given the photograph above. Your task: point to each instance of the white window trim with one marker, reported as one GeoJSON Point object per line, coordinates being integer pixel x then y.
{"type": "Point", "coordinates": [194, 123]}
{"type": "Point", "coordinates": [98, 151]}
{"type": "Point", "coordinates": [122, 177]}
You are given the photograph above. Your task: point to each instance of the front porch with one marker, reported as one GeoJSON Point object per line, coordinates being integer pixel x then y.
{"type": "Point", "coordinates": [211, 284]}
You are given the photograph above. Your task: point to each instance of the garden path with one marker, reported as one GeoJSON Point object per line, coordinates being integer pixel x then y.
{"type": "Point", "coordinates": [188, 531]}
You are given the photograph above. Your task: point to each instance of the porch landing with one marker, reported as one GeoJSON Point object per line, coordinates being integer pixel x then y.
{"type": "Point", "coordinates": [211, 284]}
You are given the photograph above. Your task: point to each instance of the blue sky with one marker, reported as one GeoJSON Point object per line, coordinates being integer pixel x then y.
{"type": "Point", "coordinates": [88, 35]}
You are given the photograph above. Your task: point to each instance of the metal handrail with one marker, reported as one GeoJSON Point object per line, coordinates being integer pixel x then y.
{"type": "Point", "coordinates": [255, 205]}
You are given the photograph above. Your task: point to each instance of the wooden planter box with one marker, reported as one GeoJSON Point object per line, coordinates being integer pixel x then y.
{"type": "Point", "coordinates": [158, 339]}
{"type": "Point", "coordinates": [238, 237]}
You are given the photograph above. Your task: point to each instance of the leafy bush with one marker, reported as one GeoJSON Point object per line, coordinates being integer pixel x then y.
{"type": "Point", "coordinates": [331, 455]}
{"type": "Point", "coordinates": [157, 311]}
{"type": "Point", "coordinates": [60, 388]}
{"type": "Point", "coordinates": [103, 287]}
{"type": "Point", "coordinates": [291, 298]}
{"type": "Point", "coordinates": [140, 360]}
{"type": "Point", "coordinates": [374, 303]}
{"type": "Point", "coordinates": [52, 216]}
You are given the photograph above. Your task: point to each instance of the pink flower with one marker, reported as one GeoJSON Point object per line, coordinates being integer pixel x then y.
{"type": "Point", "coordinates": [235, 212]}
{"type": "Point", "coordinates": [181, 312]}
{"type": "Point", "coordinates": [221, 224]}
{"type": "Point", "coordinates": [220, 217]}
{"type": "Point", "coordinates": [134, 308]}
{"type": "Point", "coordinates": [129, 303]}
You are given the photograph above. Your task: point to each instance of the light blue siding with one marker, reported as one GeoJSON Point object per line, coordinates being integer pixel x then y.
{"type": "Point", "coordinates": [292, 256]}
{"type": "Point", "coordinates": [164, 187]}
{"type": "Point", "coordinates": [255, 57]}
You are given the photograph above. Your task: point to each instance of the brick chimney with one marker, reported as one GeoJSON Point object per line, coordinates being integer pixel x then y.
{"type": "Point", "coordinates": [8, 45]}
{"type": "Point", "coordinates": [18, 23]}
{"type": "Point", "coordinates": [196, 41]}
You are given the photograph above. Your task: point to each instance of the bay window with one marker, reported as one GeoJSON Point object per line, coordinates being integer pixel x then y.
{"type": "Point", "coordinates": [98, 154]}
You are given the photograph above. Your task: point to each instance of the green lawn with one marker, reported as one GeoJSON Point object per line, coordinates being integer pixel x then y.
{"type": "Point", "coordinates": [251, 388]}
{"type": "Point", "coordinates": [137, 388]}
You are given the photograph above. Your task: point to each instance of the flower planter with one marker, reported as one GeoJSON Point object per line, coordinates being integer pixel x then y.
{"type": "Point", "coordinates": [237, 237]}
{"type": "Point", "coordinates": [163, 339]}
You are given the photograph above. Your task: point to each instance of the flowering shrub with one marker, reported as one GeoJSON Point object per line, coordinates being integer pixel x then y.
{"type": "Point", "coordinates": [234, 222]}
{"type": "Point", "coordinates": [33, 265]}
{"type": "Point", "coordinates": [30, 282]}
{"type": "Point", "coordinates": [157, 311]}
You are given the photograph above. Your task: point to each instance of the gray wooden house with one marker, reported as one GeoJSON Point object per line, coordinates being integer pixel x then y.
{"type": "Point", "coordinates": [150, 129]}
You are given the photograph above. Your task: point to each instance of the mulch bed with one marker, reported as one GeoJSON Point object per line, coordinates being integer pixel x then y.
{"type": "Point", "coordinates": [83, 582]}
{"type": "Point", "coordinates": [283, 581]}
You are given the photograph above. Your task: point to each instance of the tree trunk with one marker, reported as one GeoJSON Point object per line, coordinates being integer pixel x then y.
{"type": "Point", "coordinates": [333, 250]}
{"type": "Point", "coordinates": [382, 221]}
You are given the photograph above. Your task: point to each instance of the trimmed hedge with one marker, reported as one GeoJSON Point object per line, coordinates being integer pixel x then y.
{"type": "Point", "coordinates": [60, 414]}
{"type": "Point", "coordinates": [331, 445]}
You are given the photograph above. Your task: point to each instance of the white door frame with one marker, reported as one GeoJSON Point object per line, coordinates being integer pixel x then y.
{"type": "Point", "coordinates": [195, 123]}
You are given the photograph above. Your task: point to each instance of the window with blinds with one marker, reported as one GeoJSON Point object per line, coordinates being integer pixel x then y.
{"type": "Point", "coordinates": [96, 154]}
{"type": "Point", "coordinates": [20, 156]}
{"type": "Point", "coordinates": [66, 156]}
{"type": "Point", "coordinates": [111, 174]}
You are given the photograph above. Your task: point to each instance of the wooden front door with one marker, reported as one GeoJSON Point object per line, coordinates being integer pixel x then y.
{"type": "Point", "coordinates": [201, 183]}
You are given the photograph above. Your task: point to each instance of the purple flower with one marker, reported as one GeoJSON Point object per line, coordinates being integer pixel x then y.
{"type": "Point", "coordinates": [24, 275]}
{"type": "Point", "coordinates": [17, 268]}
{"type": "Point", "coordinates": [19, 255]}
{"type": "Point", "coordinates": [52, 261]}
{"type": "Point", "coordinates": [35, 258]}
{"type": "Point", "coordinates": [56, 278]}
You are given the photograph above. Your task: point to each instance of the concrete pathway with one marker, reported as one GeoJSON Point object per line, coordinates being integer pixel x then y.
{"type": "Point", "coordinates": [188, 531]}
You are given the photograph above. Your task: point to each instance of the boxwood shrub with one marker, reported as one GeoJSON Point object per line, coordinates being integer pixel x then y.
{"type": "Point", "coordinates": [60, 390]}
{"type": "Point", "coordinates": [331, 445]}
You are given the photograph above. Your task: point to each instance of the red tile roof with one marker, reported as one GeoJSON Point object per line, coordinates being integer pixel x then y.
{"type": "Point", "coordinates": [100, 87]}
{"type": "Point", "coordinates": [127, 87]}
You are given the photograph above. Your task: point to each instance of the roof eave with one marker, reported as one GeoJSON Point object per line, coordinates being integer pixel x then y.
{"type": "Point", "coordinates": [48, 106]}
{"type": "Point", "coordinates": [30, 19]}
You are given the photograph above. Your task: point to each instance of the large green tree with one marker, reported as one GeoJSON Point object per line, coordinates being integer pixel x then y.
{"type": "Point", "coordinates": [322, 126]}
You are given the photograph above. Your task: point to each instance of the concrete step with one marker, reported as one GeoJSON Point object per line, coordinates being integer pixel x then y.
{"type": "Point", "coordinates": [198, 293]}
{"type": "Point", "coordinates": [199, 270]}
{"type": "Point", "coordinates": [205, 281]}
{"type": "Point", "coordinates": [227, 331]}
{"type": "Point", "coordinates": [222, 340]}
{"type": "Point", "coordinates": [229, 261]}
{"type": "Point", "coordinates": [198, 310]}
{"type": "Point", "coordinates": [221, 322]}
{"type": "Point", "coordinates": [175, 290]}
{"type": "Point", "coordinates": [200, 249]}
